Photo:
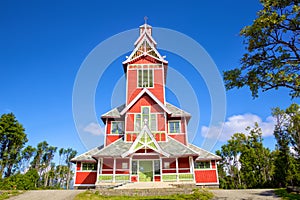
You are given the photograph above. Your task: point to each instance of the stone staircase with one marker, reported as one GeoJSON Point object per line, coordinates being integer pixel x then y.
{"type": "Point", "coordinates": [148, 189]}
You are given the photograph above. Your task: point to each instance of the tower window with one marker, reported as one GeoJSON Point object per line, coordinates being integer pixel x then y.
{"type": "Point", "coordinates": [117, 127]}
{"type": "Point", "coordinates": [145, 78]}
{"type": "Point", "coordinates": [174, 127]}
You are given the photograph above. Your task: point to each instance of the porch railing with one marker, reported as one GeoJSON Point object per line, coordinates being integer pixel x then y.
{"type": "Point", "coordinates": [118, 178]}
{"type": "Point", "coordinates": [184, 177]}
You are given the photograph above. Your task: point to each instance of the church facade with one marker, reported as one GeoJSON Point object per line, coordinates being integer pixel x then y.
{"type": "Point", "coordinates": [146, 138]}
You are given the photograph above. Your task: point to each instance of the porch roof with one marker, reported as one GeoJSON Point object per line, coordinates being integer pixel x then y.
{"type": "Point", "coordinates": [87, 156]}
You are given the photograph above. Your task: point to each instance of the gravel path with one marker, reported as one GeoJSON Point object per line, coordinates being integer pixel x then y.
{"type": "Point", "coordinates": [47, 195]}
{"type": "Point", "coordinates": [246, 194]}
{"type": "Point", "coordinates": [252, 194]}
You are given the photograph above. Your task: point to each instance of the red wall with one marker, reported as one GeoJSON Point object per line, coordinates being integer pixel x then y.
{"type": "Point", "coordinates": [206, 176]}
{"type": "Point", "coordinates": [157, 90]}
{"type": "Point", "coordinates": [179, 137]}
{"type": "Point", "coordinates": [111, 138]}
{"type": "Point", "coordinates": [86, 177]}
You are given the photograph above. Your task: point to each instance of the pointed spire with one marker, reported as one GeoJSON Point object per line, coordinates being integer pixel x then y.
{"type": "Point", "coordinates": [145, 18]}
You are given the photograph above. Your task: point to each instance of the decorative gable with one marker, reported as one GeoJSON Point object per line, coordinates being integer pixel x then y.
{"type": "Point", "coordinates": [146, 140]}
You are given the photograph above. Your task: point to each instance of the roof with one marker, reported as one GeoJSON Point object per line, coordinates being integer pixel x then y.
{"type": "Point", "coordinates": [177, 112]}
{"type": "Point", "coordinates": [87, 156]}
{"type": "Point", "coordinates": [144, 37]}
{"type": "Point", "coordinates": [114, 113]}
{"type": "Point", "coordinates": [176, 148]}
{"type": "Point", "coordinates": [203, 154]}
{"type": "Point", "coordinates": [115, 149]}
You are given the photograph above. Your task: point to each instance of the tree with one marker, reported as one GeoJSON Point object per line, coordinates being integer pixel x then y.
{"type": "Point", "coordinates": [12, 140]}
{"type": "Point", "coordinates": [26, 155]}
{"type": "Point", "coordinates": [287, 134]}
{"type": "Point", "coordinates": [272, 44]}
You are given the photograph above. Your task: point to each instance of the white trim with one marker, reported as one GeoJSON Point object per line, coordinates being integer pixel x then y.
{"type": "Point", "coordinates": [139, 44]}
{"type": "Point", "coordinates": [217, 171]}
{"type": "Point", "coordinates": [98, 168]}
{"type": "Point", "coordinates": [111, 125]}
{"type": "Point", "coordinates": [140, 135]}
{"type": "Point", "coordinates": [176, 163]}
{"type": "Point", "coordinates": [186, 133]}
{"type": "Point", "coordinates": [210, 165]}
{"type": "Point", "coordinates": [104, 145]}
{"type": "Point", "coordinates": [76, 185]}
{"type": "Point", "coordinates": [180, 131]}
{"type": "Point", "coordinates": [75, 173]}
{"type": "Point", "coordinates": [145, 90]}
{"type": "Point", "coordinates": [114, 171]}
{"type": "Point", "coordinates": [81, 167]}
{"type": "Point", "coordinates": [142, 69]}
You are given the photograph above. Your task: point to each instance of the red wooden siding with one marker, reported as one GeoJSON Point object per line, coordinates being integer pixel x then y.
{"type": "Point", "coordinates": [86, 177]}
{"type": "Point", "coordinates": [179, 137]}
{"type": "Point", "coordinates": [78, 166]}
{"type": "Point", "coordinates": [130, 122]}
{"type": "Point", "coordinates": [161, 124]}
{"type": "Point", "coordinates": [213, 164]}
{"type": "Point", "coordinates": [206, 176]}
{"type": "Point", "coordinates": [111, 138]}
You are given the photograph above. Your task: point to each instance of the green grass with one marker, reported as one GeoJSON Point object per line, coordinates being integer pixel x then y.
{"type": "Point", "coordinates": [198, 194]}
{"type": "Point", "coordinates": [9, 193]}
{"type": "Point", "coordinates": [285, 195]}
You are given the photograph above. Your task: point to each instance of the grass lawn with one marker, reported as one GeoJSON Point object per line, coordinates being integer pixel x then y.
{"type": "Point", "coordinates": [198, 194]}
{"type": "Point", "coordinates": [285, 195]}
{"type": "Point", "coordinates": [5, 194]}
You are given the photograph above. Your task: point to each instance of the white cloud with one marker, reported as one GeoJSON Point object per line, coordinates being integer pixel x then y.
{"type": "Point", "coordinates": [94, 128]}
{"type": "Point", "coordinates": [238, 124]}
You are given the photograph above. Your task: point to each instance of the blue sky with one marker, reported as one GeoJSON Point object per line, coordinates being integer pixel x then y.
{"type": "Point", "coordinates": [43, 44]}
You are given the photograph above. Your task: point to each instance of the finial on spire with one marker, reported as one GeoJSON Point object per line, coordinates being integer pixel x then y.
{"type": "Point", "coordinates": [145, 18]}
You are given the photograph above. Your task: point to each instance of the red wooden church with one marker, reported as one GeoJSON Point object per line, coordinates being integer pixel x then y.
{"type": "Point", "coordinates": [146, 138]}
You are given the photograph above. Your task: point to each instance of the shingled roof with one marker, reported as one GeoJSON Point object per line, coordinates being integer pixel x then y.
{"type": "Point", "coordinates": [114, 113]}
{"type": "Point", "coordinates": [177, 112]}
{"type": "Point", "coordinates": [87, 156]}
{"type": "Point", "coordinates": [203, 154]}
{"type": "Point", "coordinates": [115, 149]}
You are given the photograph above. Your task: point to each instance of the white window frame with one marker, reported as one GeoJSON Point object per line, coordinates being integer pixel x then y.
{"type": "Point", "coordinates": [111, 128]}
{"type": "Point", "coordinates": [203, 168]}
{"type": "Point", "coordinates": [148, 81]}
{"type": "Point", "coordinates": [169, 130]}
{"type": "Point", "coordinates": [142, 119]}
{"type": "Point", "coordinates": [125, 165]}
{"type": "Point", "coordinates": [166, 165]}
{"type": "Point", "coordinates": [85, 170]}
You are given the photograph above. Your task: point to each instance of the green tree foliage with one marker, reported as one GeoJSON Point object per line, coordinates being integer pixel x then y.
{"type": "Point", "coordinates": [20, 181]}
{"type": "Point", "coordinates": [12, 140]}
{"type": "Point", "coordinates": [15, 160]}
{"type": "Point", "coordinates": [272, 43]}
{"type": "Point", "coordinates": [287, 171]}
{"type": "Point", "coordinates": [245, 163]}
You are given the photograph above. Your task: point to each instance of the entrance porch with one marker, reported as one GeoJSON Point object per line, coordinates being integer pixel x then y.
{"type": "Point", "coordinates": [150, 168]}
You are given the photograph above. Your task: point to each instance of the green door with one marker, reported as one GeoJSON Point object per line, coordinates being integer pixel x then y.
{"type": "Point", "coordinates": [145, 171]}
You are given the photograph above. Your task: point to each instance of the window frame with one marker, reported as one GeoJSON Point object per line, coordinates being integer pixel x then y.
{"type": "Point", "coordinates": [88, 169]}
{"type": "Point", "coordinates": [123, 127]}
{"type": "Point", "coordinates": [173, 121]}
{"type": "Point", "coordinates": [142, 117]}
{"type": "Point", "coordinates": [204, 166]}
{"type": "Point", "coordinates": [150, 78]}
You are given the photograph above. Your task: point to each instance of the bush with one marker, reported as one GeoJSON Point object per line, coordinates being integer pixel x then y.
{"type": "Point", "coordinates": [20, 181]}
